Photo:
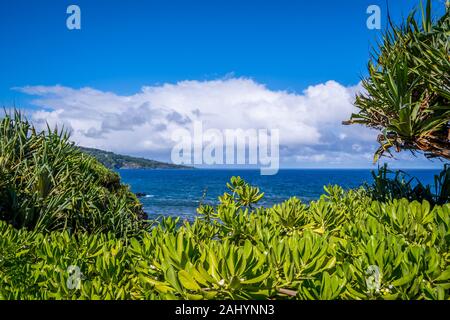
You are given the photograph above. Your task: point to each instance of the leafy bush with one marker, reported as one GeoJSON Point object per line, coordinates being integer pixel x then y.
{"type": "Point", "coordinates": [408, 89]}
{"type": "Point", "coordinates": [343, 246]}
{"type": "Point", "coordinates": [47, 184]}
{"type": "Point", "coordinates": [388, 185]}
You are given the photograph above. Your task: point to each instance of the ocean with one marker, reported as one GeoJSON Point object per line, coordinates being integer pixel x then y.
{"type": "Point", "coordinates": [179, 192]}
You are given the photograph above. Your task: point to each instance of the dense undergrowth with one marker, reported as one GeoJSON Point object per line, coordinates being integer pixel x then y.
{"type": "Point", "coordinates": [343, 246]}
{"type": "Point", "coordinates": [47, 184]}
{"type": "Point", "coordinates": [70, 230]}
{"type": "Point", "coordinates": [388, 185]}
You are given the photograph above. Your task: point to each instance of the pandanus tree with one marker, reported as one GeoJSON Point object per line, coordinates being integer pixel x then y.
{"type": "Point", "coordinates": [407, 91]}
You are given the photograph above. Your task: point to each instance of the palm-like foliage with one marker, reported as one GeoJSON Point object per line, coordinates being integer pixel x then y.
{"type": "Point", "coordinates": [408, 88]}
{"type": "Point", "coordinates": [388, 185]}
{"type": "Point", "coordinates": [46, 184]}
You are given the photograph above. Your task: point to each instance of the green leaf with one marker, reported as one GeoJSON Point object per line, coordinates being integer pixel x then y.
{"type": "Point", "coordinates": [188, 281]}
{"type": "Point", "coordinates": [257, 279]}
{"type": "Point", "coordinates": [444, 275]}
{"type": "Point", "coordinates": [404, 280]}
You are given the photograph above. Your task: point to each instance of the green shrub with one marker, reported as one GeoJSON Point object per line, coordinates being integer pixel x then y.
{"type": "Point", "coordinates": [343, 246]}
{"type": "Point", "coordinates": [407, 92]}
{"type": "Point", "coordinates": [47, 184]}
{"type": "Point", "coordinates": [388, 185]}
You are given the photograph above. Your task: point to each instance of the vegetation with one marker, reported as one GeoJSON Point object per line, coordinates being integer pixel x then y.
{"type": "Point", "coordinates": [408, 88]}
{"type": "Point", "coordinates": [70, 230]}
{"type": "Point", "coordinates": [388, 185]}
{"type": "Point", "coordinates": [343, 246]}
{"type": "Point", "coordinates": [117, 161]}
{"type": "Point", "coordinates": [47, 184]}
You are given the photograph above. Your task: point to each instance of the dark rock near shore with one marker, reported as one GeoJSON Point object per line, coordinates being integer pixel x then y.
{"type": "Point", "coordinates": [140, 194]}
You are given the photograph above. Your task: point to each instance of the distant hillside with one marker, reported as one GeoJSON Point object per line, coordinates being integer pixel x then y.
{"type": "Point", "coordinates": [118, 161]}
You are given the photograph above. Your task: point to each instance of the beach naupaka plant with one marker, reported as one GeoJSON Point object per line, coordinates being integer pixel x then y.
{"type": "Point", "coordinates": [407, 92]}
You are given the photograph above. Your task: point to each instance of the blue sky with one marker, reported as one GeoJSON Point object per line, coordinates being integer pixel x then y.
{"type": "Point", "coordinates": [284, 46]}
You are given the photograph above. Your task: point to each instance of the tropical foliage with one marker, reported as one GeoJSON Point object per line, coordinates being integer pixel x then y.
{"type": "Point", "coordinates": [343, 246]}
{"type": "Point", "coordinates": [70, 230]}
{"type": "Point", "coordinates": [408, 88]}
{"type": "Point", "coordinates": [48, 184]}
{"type": "Point", "coordinates": [388, 185]}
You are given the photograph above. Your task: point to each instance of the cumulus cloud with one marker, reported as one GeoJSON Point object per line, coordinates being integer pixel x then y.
{"type": "Point", "coordinates": [309, 122]}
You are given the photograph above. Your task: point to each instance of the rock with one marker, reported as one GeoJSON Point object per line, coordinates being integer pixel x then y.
{"type": "Point", "coordinates": [140, 194]}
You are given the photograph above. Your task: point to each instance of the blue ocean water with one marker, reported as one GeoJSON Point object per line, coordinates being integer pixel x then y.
{"type": "Point", "coordinates": [178, 192]}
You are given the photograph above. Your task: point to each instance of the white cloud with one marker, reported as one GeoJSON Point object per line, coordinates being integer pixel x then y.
{"type": "Point", "coordinates": [142, 123]}
{"type": "Point", "coordinates": [356, 147]}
